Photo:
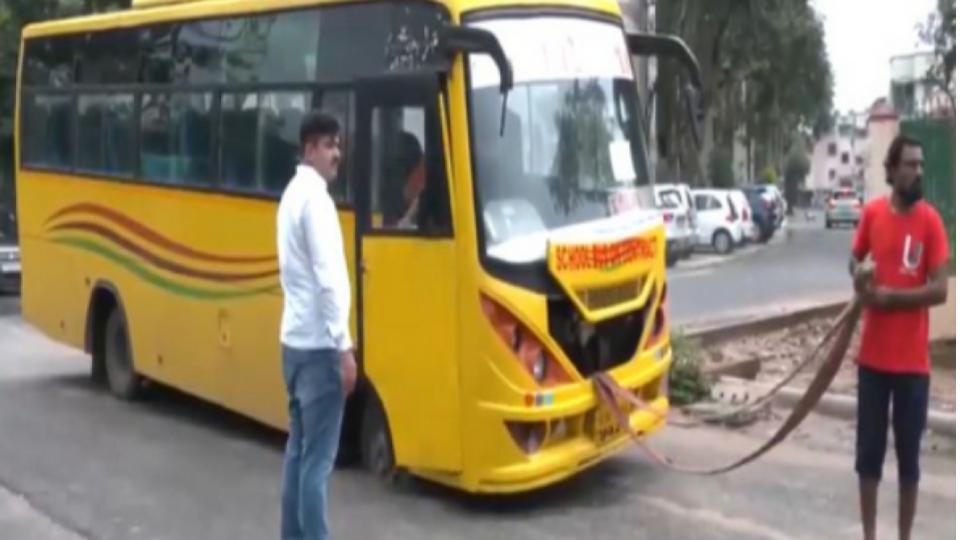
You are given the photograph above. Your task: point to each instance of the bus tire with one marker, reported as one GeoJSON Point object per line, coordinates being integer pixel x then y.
{"type": "Point", "coordinates": [376, 445]}
{"type": "Point", "coordinates": [122, 378]}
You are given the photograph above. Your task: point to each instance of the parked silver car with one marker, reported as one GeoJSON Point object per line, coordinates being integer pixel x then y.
{"type": "Point", "coordinates": [844, 206]}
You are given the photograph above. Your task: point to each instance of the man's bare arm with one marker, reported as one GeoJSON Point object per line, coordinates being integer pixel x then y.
{"type": "Point", "coordinates": [933, 293]}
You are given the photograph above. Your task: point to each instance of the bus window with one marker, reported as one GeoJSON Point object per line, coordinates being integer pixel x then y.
{"type": "Point", "coordinates": [339, 104]}
{"type": "Point", "coordinates": [407, 187]}
{"type": "Point", "coordinates": [109, 57]}
{"type": "Point", "coordinates": [279, 137]}
{"type": "Point", "coordinates": [260, 139]}
{"type": "Point", "coordinates": [238, 140]}
{"type": "Point", "coordinates": [398, 166]}
{"type": "Point", "coordinates": [49, 62]}
{"type": "Point", "coordinates": [48, 131]}
{"type": "Point", "coordinates": [106, 133]}
{"type": "Point", "coordinates": [279, 47]}
{"type": "Point", "coordinates": [157, 53]}
{"type": "Point", "coordinates": [176, 138]}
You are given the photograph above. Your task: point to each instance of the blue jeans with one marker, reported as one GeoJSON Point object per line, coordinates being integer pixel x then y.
{"type": "Point", "coordinates": [316, 413]}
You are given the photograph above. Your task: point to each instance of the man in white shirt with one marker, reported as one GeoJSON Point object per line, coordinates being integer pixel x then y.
{"type": "Point", "coordinates": [318, 362]}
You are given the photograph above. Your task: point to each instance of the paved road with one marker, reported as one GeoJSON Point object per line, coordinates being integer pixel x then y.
{"type": "Point", "coordinates": [75, 464]}
{"type": "Point", "coordinates": [804, 263]}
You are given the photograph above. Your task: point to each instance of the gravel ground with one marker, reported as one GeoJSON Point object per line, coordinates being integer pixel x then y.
{"type": "Point", "coordinates": [782, 350]}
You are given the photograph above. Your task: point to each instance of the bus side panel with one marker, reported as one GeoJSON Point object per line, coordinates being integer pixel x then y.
{"type": "Point", "coordinates": [53, 297]}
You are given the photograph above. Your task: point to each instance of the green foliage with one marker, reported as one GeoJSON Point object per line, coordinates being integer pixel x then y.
{"type": "Point", "coordinates": [765, 70]}
{"type": "Point", "coordinates": [688, 384]}
{"type": "Point", "coordinates": [940, 33]}
{"type": "Point", "coordinates": [769, 175]}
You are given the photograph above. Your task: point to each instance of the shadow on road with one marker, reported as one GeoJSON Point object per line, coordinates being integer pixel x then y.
{"type": "Point", "coordinates": [597, 487]}
{"type": "Point", "coordinates": [163, 401]}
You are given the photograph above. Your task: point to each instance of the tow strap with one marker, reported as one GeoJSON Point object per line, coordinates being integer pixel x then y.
{"type": "Point", "coordinates": [610, 394]}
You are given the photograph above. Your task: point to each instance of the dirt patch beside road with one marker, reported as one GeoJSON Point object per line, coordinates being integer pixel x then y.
{"type": "Point", "coordinates": [781, 351]}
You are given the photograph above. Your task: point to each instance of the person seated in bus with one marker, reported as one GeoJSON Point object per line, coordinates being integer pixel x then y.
{"type": "Point", "coordinates": [405, 185]}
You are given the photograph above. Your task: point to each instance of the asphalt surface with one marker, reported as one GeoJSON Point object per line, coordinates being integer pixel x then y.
{"type": "Point", "coordinates": [76, 464]}
{"type": "Point", "coordinates": [804, 263]}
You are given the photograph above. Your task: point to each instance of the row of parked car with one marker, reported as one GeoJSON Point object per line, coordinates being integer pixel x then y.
{"type": "Point", "coordinates": [717, 219]}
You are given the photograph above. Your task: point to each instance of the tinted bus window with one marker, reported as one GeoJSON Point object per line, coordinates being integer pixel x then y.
{"type": "Point", "coordinates": [183, 53]}
{"type": "Point", "coordinates": [280, 47]}
{"type": "Point", "coordinates": [107, 133]}
{"type": "Point", "coordinates": [47, 136]}
{"type": "Point", "coordinates": [238, 140]}
{"type": "Point", "coordinates": [370, 40]}
{"type": "Point", "coordinates": [49, 62]}
{"type": "Point", "coordinates": [109, 57]}
{"type": "Point", "coordinates": [260, 138]}
{"type": "Point", "coordinates": [176, 138]}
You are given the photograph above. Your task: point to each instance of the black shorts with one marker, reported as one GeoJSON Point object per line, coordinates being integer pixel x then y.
{"type": "Point", "coordinates": [910, 393]}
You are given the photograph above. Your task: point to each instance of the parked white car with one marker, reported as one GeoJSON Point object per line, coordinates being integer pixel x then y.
{"type": "Point", "coordinates": [719, 224]}
{"type": "Point", "coordinates": [750, 230]}
{"type": "Point", "coordinates": [678, 219]}
{"type": "Point", "coordinates": [9, 252]}
{"type": "Point", "coordinates": [9, 266]}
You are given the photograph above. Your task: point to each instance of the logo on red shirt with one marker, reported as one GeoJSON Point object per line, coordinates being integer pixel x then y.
{"type": "Point", "coordinates": [912, 256]}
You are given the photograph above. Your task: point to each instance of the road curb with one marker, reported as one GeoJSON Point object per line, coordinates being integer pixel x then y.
{"type": "Point", "coordinates": [845, 407]}
{"type": "Point", "coordinates": [709, 335]}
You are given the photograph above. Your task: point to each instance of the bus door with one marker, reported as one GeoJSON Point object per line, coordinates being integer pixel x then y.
{"type": "Point", "coordinates": [406, 264]}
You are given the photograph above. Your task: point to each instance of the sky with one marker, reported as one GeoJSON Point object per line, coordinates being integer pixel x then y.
{"type": "Point", "coordinates": [861, 37]}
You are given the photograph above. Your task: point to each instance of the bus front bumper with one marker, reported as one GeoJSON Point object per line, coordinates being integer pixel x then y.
{"type": "Point", "coordinates": [585, 444]}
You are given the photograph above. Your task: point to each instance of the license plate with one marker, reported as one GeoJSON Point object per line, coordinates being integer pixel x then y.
{"type": "Point", "coordinates": [605, 424]}
{"type": "Point", "coordinates": [10, 268]}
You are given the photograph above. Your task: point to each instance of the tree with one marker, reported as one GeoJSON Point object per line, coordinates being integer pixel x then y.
{"type": "Point", "coordinates": [769, 175]}
{"type": "Point", "coordinates": [766, 77]}
{"type": "Point", "coordinates": [721, 168]}
{"type": "Point", "coordinates": [940, 31]}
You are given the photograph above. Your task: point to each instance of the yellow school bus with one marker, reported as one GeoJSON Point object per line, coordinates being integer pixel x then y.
{"type": "Point", "coordinates": [495, 199]}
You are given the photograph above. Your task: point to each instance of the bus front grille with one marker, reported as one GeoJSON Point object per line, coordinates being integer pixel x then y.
{"type": "Point", "coordinates": [604, 297]}
{"type": "Point", "coordinates": [596, 347]}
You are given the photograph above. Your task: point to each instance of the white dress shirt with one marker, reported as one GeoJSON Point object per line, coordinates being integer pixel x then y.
{"type": "Point", "coordinates": [313, 267]}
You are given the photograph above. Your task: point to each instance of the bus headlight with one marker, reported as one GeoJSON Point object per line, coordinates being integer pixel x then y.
{"type": "Point", "coordinates": [543, 368]}
{"type": "Point", "coordinates": [539, 367]}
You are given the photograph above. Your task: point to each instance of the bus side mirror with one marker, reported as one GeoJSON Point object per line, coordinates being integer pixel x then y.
{"type": "Point", "coordinates": [463, 39]}
{"type": "Point", "coordinates": [672, 47]}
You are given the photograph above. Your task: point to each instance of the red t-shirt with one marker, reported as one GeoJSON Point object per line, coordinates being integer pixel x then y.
{"type": "Point", "coordinates": [906, 249]}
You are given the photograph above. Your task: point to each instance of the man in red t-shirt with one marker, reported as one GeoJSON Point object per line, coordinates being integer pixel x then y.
{"type": "Point", "coordinates": [905, 275]}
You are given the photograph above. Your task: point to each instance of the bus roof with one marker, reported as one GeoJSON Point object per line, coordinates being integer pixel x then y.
{"type": "Point", "coordinates": [156, 11]}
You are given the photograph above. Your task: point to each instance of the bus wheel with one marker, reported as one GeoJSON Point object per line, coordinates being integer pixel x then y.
{"type": "Point", "coordinates": [118, 361]}
{"type": "Point", "coordinates": [376, 447]}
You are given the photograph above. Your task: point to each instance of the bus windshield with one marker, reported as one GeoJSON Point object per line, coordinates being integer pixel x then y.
{"type": "Point", "coordinates": [571, 152]}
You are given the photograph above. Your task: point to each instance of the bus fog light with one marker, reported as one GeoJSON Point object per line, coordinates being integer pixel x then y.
{"type": "Point", "coordinates": [529, 436]}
